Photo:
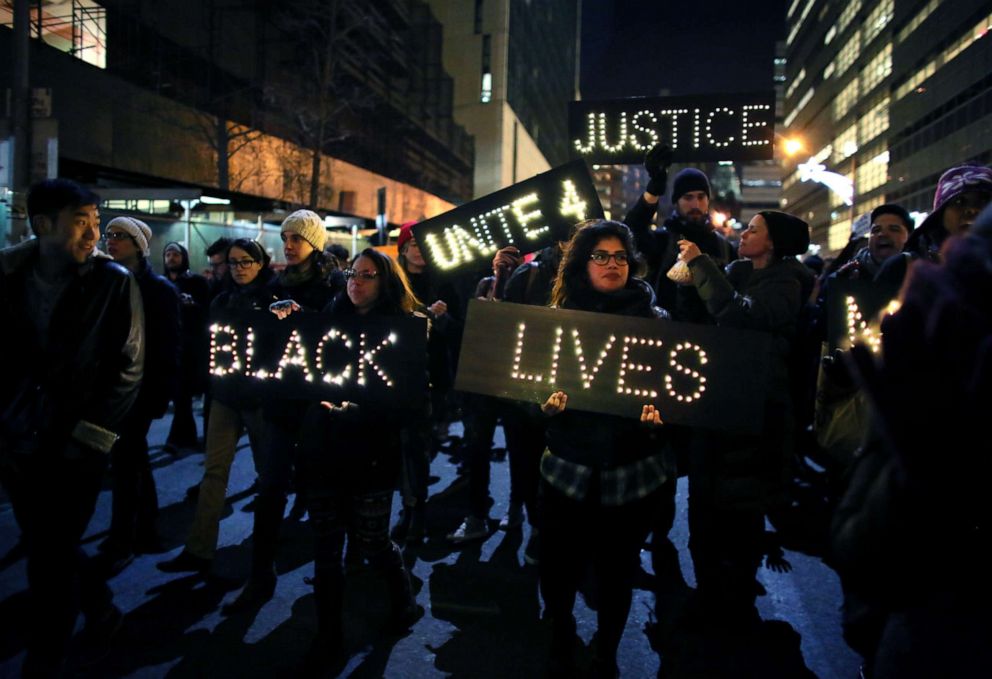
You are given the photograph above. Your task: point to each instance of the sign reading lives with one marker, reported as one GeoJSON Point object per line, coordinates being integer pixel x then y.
{"type": "Point", "coordinates": [696, 375]}
{"type": "Point", "coordinates": [530, 215]}
{"type": "Point", "coordinates": [703, 128]}
{"type": "Point", "coordinates": [319, 357]}
{"type": "Point", "coordinates": [853, 308]}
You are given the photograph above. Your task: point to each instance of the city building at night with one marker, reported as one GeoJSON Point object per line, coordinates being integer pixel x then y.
{"type": "Point", "coordinates": [233, 98]}
{"type": "Point", "coordinates": [885, 95]}
{"type": "Point", "coordinates": [515, 68]}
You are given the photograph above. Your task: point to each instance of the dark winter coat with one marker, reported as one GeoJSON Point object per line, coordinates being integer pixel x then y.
{"type": "Point", "coordinates": [748, 471]}
{"type": "Point", "coordinates": [357, 451]}
{"type": "Point", "coordinates": [163, 346]}
{"type": "Point", "coordinates": [195, 338]}
{"type": "Point", "coordinates": [256, 296]}
{"type": "Point", "coordinates": [446, 330]}
{"type": "Point", "coordinates": [92, 365]}
{"type": "Point", "coordinates": [598, 440]}
{"type": "Point", "coordinates": [660, 249]}
{"type": "Point", "coordinates": [531, 283]}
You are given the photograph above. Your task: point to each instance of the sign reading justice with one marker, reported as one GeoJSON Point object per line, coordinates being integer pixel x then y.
{"type": "Point", "coordinates": [530, 215]}
{"type": "Point", "coordinates": [317, 356]}
{"type": "Point", "coordinates": [706, 128]}
{"type": "Point", "coordinates": [696, 375]}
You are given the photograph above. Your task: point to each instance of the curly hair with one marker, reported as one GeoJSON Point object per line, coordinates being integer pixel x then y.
{"type": "Point", "coordinates": [573, 277]}
{"type": "Point", "coordinates": [395, 294]}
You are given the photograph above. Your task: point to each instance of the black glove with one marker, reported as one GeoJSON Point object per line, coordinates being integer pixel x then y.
{"type": "Point", "coordinates": [656, 162]}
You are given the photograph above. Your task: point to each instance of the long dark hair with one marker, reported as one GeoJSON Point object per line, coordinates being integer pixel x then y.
{"type": "Point", "coordinates": [395, 294]}
{"type": "Point", "coordinates": [573, 277]}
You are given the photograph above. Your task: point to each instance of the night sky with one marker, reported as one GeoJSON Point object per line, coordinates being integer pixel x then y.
{"type": "Point", "coordinates": [636, 48]}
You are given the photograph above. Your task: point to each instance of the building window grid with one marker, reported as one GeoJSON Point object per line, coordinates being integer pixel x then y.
{"type": "Point", "coordinates": [846, 99]}
{"type": "Point", "coordinates": [846, 144]}
{"type": "Point", "coordinates": [873, 174]}
{"type": "Point", "coordinates": [799, 22]}
{"type": "Point", "coordinates": [796, 83]}
{"type": "Point", "coordinates": [879, 68]}
{"type": "Point", "coordinates": [878, 19]}
{"type": "Point", "coordinates": [915, 22]}
{"type": "Point", "coordinates": [848, 54]}
{"type": "Point", "coordinates": [874, 123]}
{"type": "Point", "coordinates": [799, 107]}
{"type": "Point", "coordinates": [839, 233]}
{"type": "Point", "coordinates": [79, 29]}
{"type": "Point", "coordinates": [847, 15]}
{"type": "Point", "coordinates": [980, 29]}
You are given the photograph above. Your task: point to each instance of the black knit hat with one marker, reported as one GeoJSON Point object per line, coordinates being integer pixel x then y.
{"type": "Point", "coordinates": [789, 234]}
{"type": "Point", "coordinates": [689, 179]}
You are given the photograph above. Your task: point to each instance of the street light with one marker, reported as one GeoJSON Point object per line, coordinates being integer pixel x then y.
{"type": "Point", "coordinates": [792, 146]}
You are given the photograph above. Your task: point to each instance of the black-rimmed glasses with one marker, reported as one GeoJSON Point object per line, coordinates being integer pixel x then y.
{"type": "Point", "coordinates": [241, 263]}
{"type": "Point", "coordinates": [602, 258]}
{"type": "Point", "coordinates": [364, 275]}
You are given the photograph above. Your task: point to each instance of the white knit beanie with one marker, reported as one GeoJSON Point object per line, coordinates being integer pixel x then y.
{"type": "Point", "coordinates": [310, 227]}
{"type": "Point", "coordinates": [137, 229]}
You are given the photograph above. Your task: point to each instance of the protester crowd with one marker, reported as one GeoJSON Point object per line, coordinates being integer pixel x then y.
{"type": "Point", "coordinates": [105, 344]}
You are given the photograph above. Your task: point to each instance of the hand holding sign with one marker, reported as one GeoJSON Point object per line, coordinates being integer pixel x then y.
{"type": "Point", "coordinates": [284, 308]}
{"type": "Point", "coordinates": [651, 416]}
{"type": "Point", "coordinates": [555, 404]}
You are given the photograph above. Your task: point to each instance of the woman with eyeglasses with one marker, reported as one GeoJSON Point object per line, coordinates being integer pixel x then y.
{"type": "Point", "coordinates": [304, 285]}
{"type": "Point", "coordinates": [231, 413]}
{"type": "Point", "coordinates": [602, 475]}
{"type": "Point", "coordinates": [351, 456]}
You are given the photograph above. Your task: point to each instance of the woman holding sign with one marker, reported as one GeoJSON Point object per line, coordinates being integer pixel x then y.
{"type": "Point", "coordinates": [233, 411]}
{"type": "Point", "coordinates": [602, 474]}
{"type": "Point", "coordinates": [735, 479]}
{"type": "Point", "coordinates": [351, 457]}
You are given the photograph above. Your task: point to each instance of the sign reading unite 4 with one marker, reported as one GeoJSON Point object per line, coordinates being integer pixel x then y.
{"type": "Point", "coordinates": [704, 128]}
{"type": "Point", "coordinates": [529, 215]}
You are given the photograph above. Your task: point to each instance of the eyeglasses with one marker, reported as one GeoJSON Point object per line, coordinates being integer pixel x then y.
{"type": "Point", "coordinates": [242, 263]}
{"type": "Point", "coordinates": [364, 275]}
{"type": "Point", "coordinates": [602, 258]}
{"type": "Point", "coordinates": [116, 235]}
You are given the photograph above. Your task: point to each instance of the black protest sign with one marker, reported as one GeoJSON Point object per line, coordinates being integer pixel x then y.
{"type": "Point", "coordinates": [530, 215]}
{"type": "Point", "coordinates": [698, 129]}
{"type": "Point", "coordinates": [317, 356]}
{"type": "Point", "coordinates": [696, 375]}
{"type": "Point", "coordinates": [853, 308]}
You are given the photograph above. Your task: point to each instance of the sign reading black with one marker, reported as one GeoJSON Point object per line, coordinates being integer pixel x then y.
{"type": "Point", "coordinates": [319, 357]}
{"type": "Point", "coordinates": [696, 375]}
{"type": "Point", "coordinates": [704, 128]}
{"type": "Point", "coordinates": [530, 215]}
{"type": "Point", "coordinates": [853, 307]}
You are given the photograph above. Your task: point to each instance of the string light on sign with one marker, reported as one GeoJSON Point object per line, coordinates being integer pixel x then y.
{"type": "Point", "coordinates": [621, 135]}
{"type": "Point", "coordinates": [367, 358]}
{"type": "Point", "coordinates": [516, 373]}
{"type": "Point", "coordinates": [650, 132]}
{"type": "Point", "coordinates": [857, 327]}
{"type": "Point", "coordinates": [674, 113]}
{"type": "Point", "coordinates": [571, 203]}
{"type": "Point", "coordinates": [587, 378]}
{"type": "Point", "coordinates": [525, 218]}
{"type": "Point", "coordinates": [685, 370]}
{"type": "Point", "coordinates": [590, 135]}
{"type": "Point", "coordinates": [626, 364]}
{"type": "Point", "coordinates": [747, 124]}
{"type": "Point", "coordinates": [330, 336]}
{"type": "Point", "coordinates": [229, 348]}
{"type": "Point", "coordinates": [709, 127]}
{"type": "Point", "coordinates": [294, 355]}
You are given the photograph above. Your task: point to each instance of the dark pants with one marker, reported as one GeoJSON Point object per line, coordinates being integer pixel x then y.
{"type": "Point", "coordinates": [53, 500]}
{"type": "Point", "coordinates": [135, 499]}
{"type": "Point", "coordinates": [183, 430]}
{"type": "Point", "coordinates": [576, 532]}
{"type": "Point", "coordinates": [364, 518]}
{"type": "Point", "coordinates": [416, 463]}
{"type": "Point", "coordinates": [524, 434]}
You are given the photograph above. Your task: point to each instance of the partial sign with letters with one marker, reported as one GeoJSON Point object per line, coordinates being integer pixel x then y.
{"type": "Point", "coordinates": [853, 310]}
{"type": "Point", "coordinates": [529, 215]}
{"type": "Point", "coordinates": [698, 129]}
{"type": "Point", "coordinates": [320, 357]}
{"type": "Point", "coordinates": [696, 375]}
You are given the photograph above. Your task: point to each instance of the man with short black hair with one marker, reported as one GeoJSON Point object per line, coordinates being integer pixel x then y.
{"type": "Point", "coordinates": [217, 257]}
{"type": "Point", "coordinates": [891, 226]}
{"type": "Point", "coordinates": [74, 333]}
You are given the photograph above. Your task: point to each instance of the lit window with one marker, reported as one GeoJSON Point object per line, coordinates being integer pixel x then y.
{"type": "Point", "coordinates": [874, 123]}
{"type": "Point", "coordinates": [848, 53]}
{"type": "Point", "coordinates": [878, 19]}
{"type": "Point", "coordinates": [78, 27]}
{"type": "Point", "coordinates": [850, 11]}
{"type": "Point", "coordinates": [917, 20]}
{"type": "Point", "coordinates": [487, 88]}
{"type": "Point", "coordinates": [877, 69]}
{"type": "Point", "coordinates": [846, 99]}
{"type": "Point", "coordinates": [846, 144]}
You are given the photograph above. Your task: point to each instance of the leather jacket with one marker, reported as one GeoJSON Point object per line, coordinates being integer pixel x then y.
{"type": "Point", "coordinates": [90, 371]}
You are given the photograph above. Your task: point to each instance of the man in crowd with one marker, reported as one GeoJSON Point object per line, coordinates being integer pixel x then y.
{"type": "Point", "coordinates": [217, 258]}
{"type": "Point", "coordinates": [135, 501]}
{"type": "Point", "coordinates": [194, 297]}
{"type": "Point", "coordinates": [74, 334]}
{"type": "Point", "coordinates": [690, 220]}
